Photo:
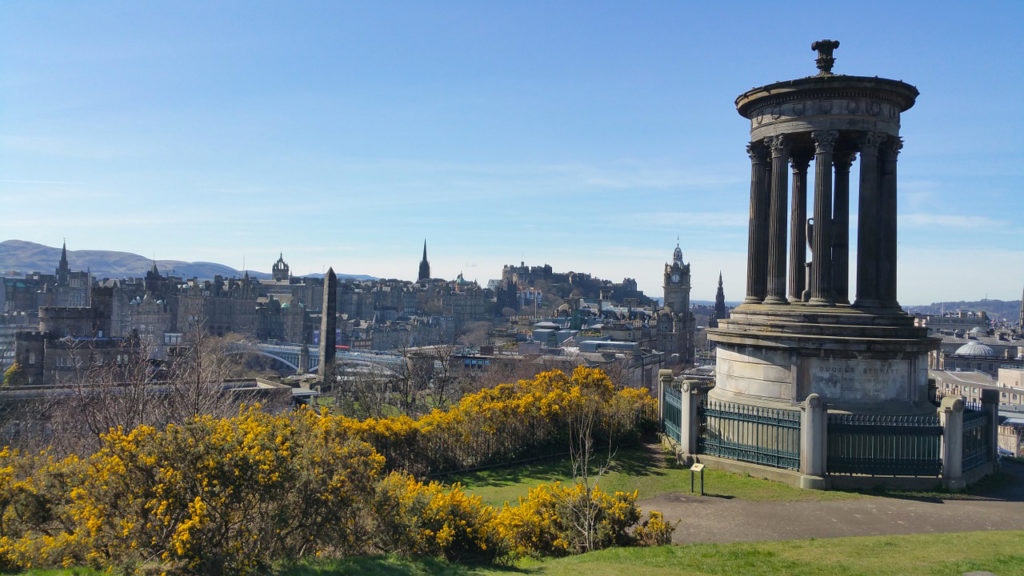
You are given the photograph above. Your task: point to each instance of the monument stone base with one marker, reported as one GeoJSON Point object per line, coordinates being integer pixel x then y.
{"type": "Point", "coordinates": [856, 360]}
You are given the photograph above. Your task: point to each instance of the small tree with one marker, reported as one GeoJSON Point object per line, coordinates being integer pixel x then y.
{"type": "Point", "coordinates": [15, 375]}
{"type": "Point", "coordinates": [591, 393]}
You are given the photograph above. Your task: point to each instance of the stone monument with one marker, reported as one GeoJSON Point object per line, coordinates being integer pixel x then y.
{"type": "Point", "coordinates": [797, 332]}
{"type": "Point", "coordinates": [328, 330]}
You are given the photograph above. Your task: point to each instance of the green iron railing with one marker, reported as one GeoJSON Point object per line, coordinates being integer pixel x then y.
{"type": "Point", "coordinates": [672, 413]}
{"type": "Point", "coordinates": [883, 445]}
{"type": "Point", "coordinates": [769, 436]}
{"type": "Point", "coordinates": [976, 449]}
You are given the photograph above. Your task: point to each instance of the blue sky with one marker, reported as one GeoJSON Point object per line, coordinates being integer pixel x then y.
{"type": "Point", "coordinates": [585, 135]}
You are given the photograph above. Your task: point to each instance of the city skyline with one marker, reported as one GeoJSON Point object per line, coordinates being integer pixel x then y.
{"type": "Point", "coordinates": [584, 136]}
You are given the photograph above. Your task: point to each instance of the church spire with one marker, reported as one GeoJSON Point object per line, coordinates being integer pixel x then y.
{"type": "Point", "coordinates": [63, 270]}
{"type": "Point", "coordinates": [721, 312]}
{"type": "Point", "coordinates": [424, 274]}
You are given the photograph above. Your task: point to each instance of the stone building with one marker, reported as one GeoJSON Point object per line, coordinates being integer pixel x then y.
{"type": "Point", "coordinates": [674, 334]}
{"type": "Point", "coordinates": [280, 271]}
{"type": "Point", "coordinates": [69, 289]}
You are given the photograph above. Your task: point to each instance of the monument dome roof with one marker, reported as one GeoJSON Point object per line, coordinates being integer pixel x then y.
{"type": "Point", "coordinates": [975, 350]}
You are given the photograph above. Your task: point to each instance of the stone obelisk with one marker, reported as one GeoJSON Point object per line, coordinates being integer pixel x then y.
{"type": "Point", "coordinates": [328, 333]}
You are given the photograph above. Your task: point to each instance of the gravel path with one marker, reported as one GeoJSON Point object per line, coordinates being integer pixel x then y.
{"type": "Point", "coordinates": [714, 519]}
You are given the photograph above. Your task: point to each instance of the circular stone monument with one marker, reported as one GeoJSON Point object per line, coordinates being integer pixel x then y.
{"type": "Point", "coordinates": [797, 332]}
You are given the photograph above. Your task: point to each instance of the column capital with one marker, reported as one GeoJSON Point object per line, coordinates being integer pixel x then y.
{"type": "Point", "coordinates": [757, 151]}
{"type": "Point", "coordinates": [870, 141]}
{"type": "Point", "coordinates": [779, 145]}
{"type": "Point", "coordinates": [824, 140]}
{"type": "Point", "coordinates": [800, 162]}
{"type": "Point", "coordinates": [893, 145]}
{"type": "Point", "coordinates": [843, 160]}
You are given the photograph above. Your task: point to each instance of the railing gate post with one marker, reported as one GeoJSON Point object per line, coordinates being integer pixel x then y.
{"type": "Point", "coordinates": [664, 381]}
{"type": "Point", "coordinates": [813, 443]}
{"type": "Point", "coordinates": [990, 405]}
{"type": "Point", "coordinates": [951, 418]}
{"type": "Point", "coordinates": [690, 421]}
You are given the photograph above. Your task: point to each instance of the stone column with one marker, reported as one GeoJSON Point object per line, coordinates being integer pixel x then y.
{"type": "Point", "coordinates": [867, 222]}
{"type": "Point", "coordinates": [821, 244]}
{"type": "Point", "coordinates": [776, 292]}
{"type": "Point", "coordinates": [887, 223]}
{"type": "Point", "coordinates": [813, 443]}
{"type": "Point", "coordinates": [689, 425]}
{"type": "Point", "coordinates": [841, 228]}
{"type": "Point", "coordinates": [757, 240]}
{"type": "Point", "coordinates": [951, 418]}
{"type": "Point", "coordinates": [990, 405]}
{"type": "Point", "coordinates": [798, 229]}
{"type": "Point", "coordinates": [664, 381]}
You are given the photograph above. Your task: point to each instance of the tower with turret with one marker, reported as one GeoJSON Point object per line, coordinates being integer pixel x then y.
{"type": "Point", "coordinates": [280, 272]}
{"type": "Point", "coordinates": [675, 326]}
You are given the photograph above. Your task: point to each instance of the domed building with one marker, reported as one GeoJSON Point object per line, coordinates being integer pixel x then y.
{"type": "Point", "coordinates": [975, 356]}
{"type": "Point", "coordinates": [975, 350]}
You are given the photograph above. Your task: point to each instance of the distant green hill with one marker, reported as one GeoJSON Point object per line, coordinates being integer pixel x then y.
{"type": "Point", "coordinates": [996, 309]}
{"type": "Point", "coordinates": [18, 257]}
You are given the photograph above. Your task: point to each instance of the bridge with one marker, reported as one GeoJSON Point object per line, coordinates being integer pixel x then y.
{"type": "Point", "coordinates": [288, 354]}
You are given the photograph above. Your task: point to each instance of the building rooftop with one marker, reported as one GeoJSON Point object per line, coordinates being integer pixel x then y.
{"type": "Point", "coordinates": [975, 349]}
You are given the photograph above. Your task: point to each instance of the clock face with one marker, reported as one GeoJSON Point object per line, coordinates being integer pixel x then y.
{"type": "Point", "coordinates": [675, 277]}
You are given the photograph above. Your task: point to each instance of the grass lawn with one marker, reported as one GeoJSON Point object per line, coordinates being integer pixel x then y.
{"type": "Point", "coordinates": [998, 552]}
{"type": "Point", "coordinates": [650, 472]}
{"type": "Point", "coordinates": [926, 554]}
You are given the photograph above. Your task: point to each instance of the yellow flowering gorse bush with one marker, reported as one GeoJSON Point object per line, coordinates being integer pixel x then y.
{"type": "Point", "coordinates": [232, 495]}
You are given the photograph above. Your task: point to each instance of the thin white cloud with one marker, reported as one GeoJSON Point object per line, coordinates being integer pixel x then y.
{"type": "Point", "coordinates": [689, 219]}
{"type": "Point", "coordinates": [951, 220]}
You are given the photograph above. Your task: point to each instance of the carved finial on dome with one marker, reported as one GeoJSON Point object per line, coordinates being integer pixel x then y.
{"type": "Point", "coordinates": [825, 59]}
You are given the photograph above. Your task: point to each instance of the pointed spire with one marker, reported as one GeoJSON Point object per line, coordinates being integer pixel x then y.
{"type": "Point", "coordinates": [424, 273]}
{"type": "Point", "coordinates": [719, 278]}
{"type": "Point", "coordinates": [63, 270]}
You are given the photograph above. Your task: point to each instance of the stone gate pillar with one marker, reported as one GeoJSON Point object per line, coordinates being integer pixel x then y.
{"type": "Point", "coordinates": [664, 381]}
{"type": "Point", "coordinates": [813, 443]}
{"type": "Point", "coordinates": [951, 418]}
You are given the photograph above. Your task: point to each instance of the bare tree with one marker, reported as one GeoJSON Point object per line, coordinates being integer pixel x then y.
{"type": "Point", "coordinates": [127, 384]}
{"type": "Point", "coordinates": [195, 377]}
{"type": "Point", "coordinates": [583, 421]}
{"type": "Point", "coordinates": [110, 389]}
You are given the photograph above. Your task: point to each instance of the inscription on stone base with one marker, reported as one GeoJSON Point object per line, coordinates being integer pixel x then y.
{"type": "Point", "coordinates": [861, 380]}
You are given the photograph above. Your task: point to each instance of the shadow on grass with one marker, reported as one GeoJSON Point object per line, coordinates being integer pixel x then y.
{"type": "Point", "coordinates": [393, 566]}
{"type": "Point", "coordinates": [639, 461]}
{"type": "Point", "coordinates": [1006, 485]}
{"type": "Point", "coordinates": [629, 461]}
{"type": "Point", "coordinates": [549, 470]}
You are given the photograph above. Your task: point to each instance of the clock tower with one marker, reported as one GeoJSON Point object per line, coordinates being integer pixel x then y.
{"type": "Point", "coordinates": [677, 283]}
{"type": "Point", "coordinates": [675, 322]}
